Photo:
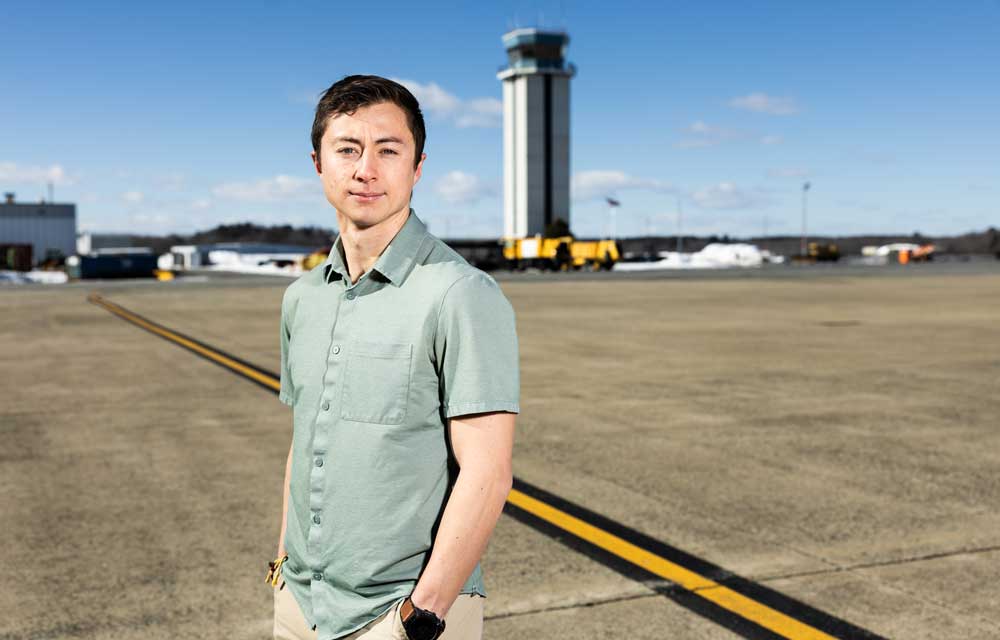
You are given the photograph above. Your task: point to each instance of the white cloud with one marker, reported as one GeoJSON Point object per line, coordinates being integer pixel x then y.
{"type": "Point", "coordinates": [701, 127]}
{"type": "Point", "coordinates": [133, 197]}
{"type": "Point", "coordinates": [771, 140]}
{"type": "Point", "coordinates": [763, 103]}
{"type": "Point", "coordinates": [788, 172]}
{"type": "Point", "coordinates": [458, 187]}
{"type": "Point", "coordinates": [701, 134]}
{"type": "Point", "coordinates": [280, 187]}
{"type": "Point", "coordinates": [601, 183]}
{"type": "Point", "coordinates": [432, 98]}
{"type": "Point", "coordinates": [438, 103]}
{"type": "Point", "coordinates": [13, 173]}
{"type": "Point", "coordinates": [480, 112]}
{"type": "Point", "coordinates": [726, 195]}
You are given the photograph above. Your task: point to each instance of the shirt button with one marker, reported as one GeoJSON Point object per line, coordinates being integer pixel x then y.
{"type": "Point", "coordinates": [316, 518]}
{"type": "Point", "coordinates": [336, 349]}
{"type": "Point", "coordinates": [350, 295]}
{"type": "Point", "coordinates": [319, 462]}
{"type": "Point", "coordinates": [317, 576]}
{"type": "Point", "coordinates": [326, 406]}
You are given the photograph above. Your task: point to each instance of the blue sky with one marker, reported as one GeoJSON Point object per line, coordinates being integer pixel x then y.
{"type": "Point", "coordinates": [176, 117]}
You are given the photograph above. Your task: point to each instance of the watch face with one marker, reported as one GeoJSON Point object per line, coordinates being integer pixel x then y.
{"type": "Point", "coordinates": [420, 627]}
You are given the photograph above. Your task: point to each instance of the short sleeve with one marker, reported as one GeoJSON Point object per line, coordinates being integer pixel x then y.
{"type": "Point", "coordinates": [476, 349]}
{"type": "Point", "coordinates": [286, 393]}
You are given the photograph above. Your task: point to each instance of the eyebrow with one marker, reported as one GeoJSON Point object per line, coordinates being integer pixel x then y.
{"type": "Point", "coordinates": [390, 139]}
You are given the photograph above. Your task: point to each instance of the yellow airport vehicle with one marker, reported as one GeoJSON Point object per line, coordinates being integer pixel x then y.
{"type": "Point", "coordinates": [819, 252]}
{"type": "Point", "coordinates": [600, 254]}
{"type": "Point", "coordinates": [559, 254]}
{"type": "Point", "coordinates": [315, 258]}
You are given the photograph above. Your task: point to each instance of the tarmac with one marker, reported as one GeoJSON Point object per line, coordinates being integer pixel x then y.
{"type": "Point", "coordinates": [829, 434]}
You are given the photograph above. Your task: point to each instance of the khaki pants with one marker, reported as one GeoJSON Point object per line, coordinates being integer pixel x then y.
{"type": "Point", "coordinates": [463, 622]}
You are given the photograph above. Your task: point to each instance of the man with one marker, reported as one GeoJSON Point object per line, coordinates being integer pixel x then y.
{"type": "Point", "coordinates": [400, 361]}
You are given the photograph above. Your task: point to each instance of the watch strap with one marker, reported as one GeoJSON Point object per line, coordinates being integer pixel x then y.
{"type": "Point", "coordinates": [407, 610]}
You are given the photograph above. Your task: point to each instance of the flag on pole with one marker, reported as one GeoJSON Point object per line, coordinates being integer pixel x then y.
{"type": "Point", "coordinates": [612, 202]}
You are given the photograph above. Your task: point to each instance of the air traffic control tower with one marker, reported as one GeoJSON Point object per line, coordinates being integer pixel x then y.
{"type": "Point", "coordinates": [535, 131]}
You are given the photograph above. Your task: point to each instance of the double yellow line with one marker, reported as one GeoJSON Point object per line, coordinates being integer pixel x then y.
{"type": "Point", "coordinates": [690, 580]}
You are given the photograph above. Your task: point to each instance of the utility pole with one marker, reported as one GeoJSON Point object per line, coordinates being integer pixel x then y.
{"type": "Point", "coordinates": [804, 245]}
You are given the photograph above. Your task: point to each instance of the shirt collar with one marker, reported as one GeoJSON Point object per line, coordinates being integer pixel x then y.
{"type": "Point", "coordinates": [395, 262]}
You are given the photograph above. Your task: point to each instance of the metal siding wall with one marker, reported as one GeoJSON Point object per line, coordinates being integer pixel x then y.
{"type": "Point", "coordinates": [509, 160]}
{"type": "Point", "coordinates": [547, 141]}
{"type": "Point", "coordinates": [521, 155]}
{"type": "Point", "coordinates": [535, 209]}
{"type": "Point", "coordinates": [560, 148]}
{"type": "Point", "coordinates": [56, 229]}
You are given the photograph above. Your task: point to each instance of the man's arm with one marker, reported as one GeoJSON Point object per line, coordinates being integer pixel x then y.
{"type": "Point", "coordinates": [483, 444]}
{"type": "Point", "coordinates": [284, 505]}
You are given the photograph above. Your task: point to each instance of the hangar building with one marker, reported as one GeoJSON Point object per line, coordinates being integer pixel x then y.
{"type": "Point", "coordinates": [47, 227]}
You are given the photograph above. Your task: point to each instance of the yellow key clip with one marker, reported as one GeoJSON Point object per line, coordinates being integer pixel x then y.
{"type": "Point", "coordinates": [274, 571]}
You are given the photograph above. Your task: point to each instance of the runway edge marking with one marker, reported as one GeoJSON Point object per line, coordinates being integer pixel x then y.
{"type": "Point", "coordinates": [745, 607]}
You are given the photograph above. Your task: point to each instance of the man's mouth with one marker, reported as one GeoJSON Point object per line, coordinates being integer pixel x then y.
{"type": "Point", "coordinates": [366, 196]}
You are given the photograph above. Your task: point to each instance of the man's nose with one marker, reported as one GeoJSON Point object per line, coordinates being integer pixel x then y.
{"type": "Point", "coordinates": [365, 168]}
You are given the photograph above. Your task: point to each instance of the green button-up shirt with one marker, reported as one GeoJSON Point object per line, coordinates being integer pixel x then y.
{"type": "Point", "coordinates": [373, 370]}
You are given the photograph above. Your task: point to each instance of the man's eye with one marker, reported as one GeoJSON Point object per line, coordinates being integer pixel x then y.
{"type": "Point", "coordinates": [390, 151]}
{"type": "Point", "coordinates": [346, 150]}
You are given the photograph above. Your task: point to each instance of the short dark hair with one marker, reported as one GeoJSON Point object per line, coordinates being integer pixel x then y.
{"type": "Point", "coordinates": [352, 92]}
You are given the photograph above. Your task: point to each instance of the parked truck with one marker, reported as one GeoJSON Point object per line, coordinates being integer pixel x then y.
{"type": "Point", "coordinates": [560, 254]}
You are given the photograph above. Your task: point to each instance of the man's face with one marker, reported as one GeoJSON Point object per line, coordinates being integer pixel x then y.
{"type": "Point", "coordinates": [366, 163]}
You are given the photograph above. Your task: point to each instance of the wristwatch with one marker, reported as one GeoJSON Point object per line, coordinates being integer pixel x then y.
{"type": "Point", "coordinates": [420, 624]}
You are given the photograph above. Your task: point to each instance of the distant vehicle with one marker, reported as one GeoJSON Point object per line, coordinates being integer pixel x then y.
{"type": "Point", "coordinates": [901, 252]}
{"type": "Point", "coordinates": [818, 252]}
{"type": "Point", "coordinates": [560, 254]}
{"type": "Point", "coordinates": [121, 264]}
{"type": "Point", "coordinates": [315, 258]}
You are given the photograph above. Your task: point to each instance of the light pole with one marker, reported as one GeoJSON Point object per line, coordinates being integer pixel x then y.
{"type": "Point", "coordinates": [803, 244]}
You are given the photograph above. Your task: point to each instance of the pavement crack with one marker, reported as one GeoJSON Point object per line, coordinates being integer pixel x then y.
{"type": "Point", "coordinates": [579, 604]}
{"type": "Point", "coordinates": [882, 563]}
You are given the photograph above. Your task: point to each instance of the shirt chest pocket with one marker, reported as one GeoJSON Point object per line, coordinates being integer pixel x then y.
{"type": "Point", "coordinates": [376, 382]}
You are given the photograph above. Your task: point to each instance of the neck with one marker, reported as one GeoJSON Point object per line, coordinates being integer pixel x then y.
{"type": "Point", "coordinates": [363, 245]}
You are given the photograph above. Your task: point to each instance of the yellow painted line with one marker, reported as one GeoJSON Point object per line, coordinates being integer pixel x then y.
{"type": "Point", "coordinates": [696, 583]}
{"type": "Point", "coordinates": [725, 597]}
{"type": "Point", "coordinates": [264, 379]}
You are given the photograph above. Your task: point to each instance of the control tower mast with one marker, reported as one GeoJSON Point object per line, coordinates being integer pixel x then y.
{"type": "Point", "coordinates": [535, 131]}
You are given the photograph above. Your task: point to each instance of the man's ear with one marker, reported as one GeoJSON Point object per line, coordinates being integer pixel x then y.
{"type": "Point", "coordinates": [420, 169]}
{"type": "Point", "coordinates": [316, 162]}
